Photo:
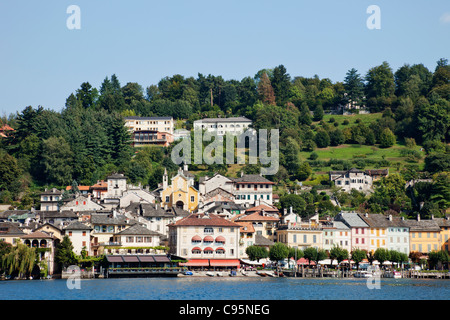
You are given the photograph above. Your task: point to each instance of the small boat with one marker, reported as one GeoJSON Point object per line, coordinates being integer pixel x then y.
{"type": "Point", "coordinates": [210, 274]}
{"type": "Point", "coordinates": [244, 273]}
{"type": "Point", "coordinates": [262, 274]}
{"type": "Point", "coordinates": [397, 274]}
{"type": "Point", "coordinates": [219, 274]}
{"type": "Point", "coordinates": [362, 274]}
{"type": "Point", "coordinates": [188, 273]}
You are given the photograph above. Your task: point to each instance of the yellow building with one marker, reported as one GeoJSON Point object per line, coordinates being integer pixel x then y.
{"type": "Point", "coordinates": [424, 235]}
{"type": "Point", "coordinates": [181, 193]}
{"type": "Point", "coordinates": [444, 224]}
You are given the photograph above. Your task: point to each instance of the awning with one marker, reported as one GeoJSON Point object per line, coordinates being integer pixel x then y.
{"type": "Point", "coordinates": [224, 263]}
{"type": "Point", "coordinates": [114, 258]}
{"type": "Point", "coordinates": [220, 239]}
{"type": "Point", "coordinates": [146, 258]}
{"type": "Point", "coordinates": [130, 259]}
{"type": "Point", "coordinates": [220, 248]}
{"type": "Point", "coordinates": [208, 239]}
{"type": "Point", "coordinates": [195, 263]}
{"type": "Point", "coordinates": [196, 248]}
{"type": "Point", "coordinates": [305, 262]}
{"type": "Point", "coordinates": [208, 249]}
{"type": "Point", "coordinates": [161, 258]}
{"type": "Point", "coordinates": [196, 238]}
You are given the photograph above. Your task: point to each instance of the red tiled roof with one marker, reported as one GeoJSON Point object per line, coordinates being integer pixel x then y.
{"type": "Point", "coordinates": [257, 216]}
{"type": "Point", "coordinates": [262, 207]}
{"type": "Point", "coordinates": [211, 220]}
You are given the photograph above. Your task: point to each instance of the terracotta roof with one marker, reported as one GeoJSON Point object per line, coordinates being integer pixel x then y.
{"type": "Point", "coordinates": [37, 235]}
{"type": "Point", "coordinates": [262, 207]}
{"type": "Point", "coordinates": [6, 128]}
{"type": "Point", "coordinates": [246, 227]}
{"type": "Point", "coordinates": [81, 188]}
{"type": "Point", "coordinates": [257, 216]}
{"type": "Point", "coordinates": [197, 219]}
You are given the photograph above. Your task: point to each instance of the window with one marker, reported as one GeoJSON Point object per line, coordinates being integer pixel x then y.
{"type": "Point", "coordinates": [304, 238]}
{"type": "Point", "coordinates": [70, 233]}
{"type": "Point", "coordinates": [130, 239]}
{"type": "Point", "coordinates": [167, 198]}
{"type": "Point", "coordinates": [84, 233]}
{"type": "Point", "coordinates": [295, 238]}
{"type": "Point", "coordinates": [83, 243]}
{"type": "Point", "coordinates": [192, 198]}
{"type": "Point", "coordinates": [208, 230]}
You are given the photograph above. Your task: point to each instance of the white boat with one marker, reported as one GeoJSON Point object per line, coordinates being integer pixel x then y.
{"type": "Point", "coordinates": [219, 274]}
{"type": "Point", "coordinates": [362, 274]}
{"type": "Point", "coordinates": [393, 274]}
{"type": "Point", "coordinates": [210, 274]}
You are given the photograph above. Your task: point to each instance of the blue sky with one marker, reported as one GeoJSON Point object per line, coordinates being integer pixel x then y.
{"type": "Point", "coordinates": [42, 62]}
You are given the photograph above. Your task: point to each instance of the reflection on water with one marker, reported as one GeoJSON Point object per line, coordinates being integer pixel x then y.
{"type": "Point", "coordinates": [227, 289]}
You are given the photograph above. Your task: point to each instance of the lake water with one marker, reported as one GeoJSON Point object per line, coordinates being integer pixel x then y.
{"type": "Point", "coordinates": [226, 288]}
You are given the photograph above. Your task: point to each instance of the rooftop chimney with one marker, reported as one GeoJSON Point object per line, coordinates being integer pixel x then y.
{"type": "Point", "coordinates": [390, 217]}
{"type": "Point", "coordinates": [418, 217]}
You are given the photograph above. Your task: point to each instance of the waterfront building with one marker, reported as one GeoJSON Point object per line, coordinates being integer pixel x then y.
{"type": "Point", "coordinates": [45, 245]}
{"type": "Point", "coordinates": [359, 229]}
{"type": "Point", "coordinates": [206, 240]}
{"type": "Point", "coordinates": [223, 126]}
{"type": "Point", "coordinates": [398, 235]}
{"type": "Point", "coordinates": [136, 238]}
{"type": "Point", "coordinates": [301, 234]}
{"type": "Point", "coordinates": [378, 225]}
{"type": "Point", "coordinates": [247, 238]}
{"type": "Point", "coordinates": [336, 233]}
{"type": "Point", "coordinates": [424, 235]}
{"type": "Point", "coordinates": [181, 193]}
{"type": "Point", "coordinates": [444, 224]}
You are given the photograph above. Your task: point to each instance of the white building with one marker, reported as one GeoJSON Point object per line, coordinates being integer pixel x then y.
{"type": "Point", "coordinates": [252, 190]}
{"type": "Point", "coordinates": [352, 179]}
{"type": "Point", "coordinates": [337, 233]}
{"type": "Point", "coordinates": [117, 185]}
{"type": "Point", "coordinates": [207, 184]}
{"type": "Point", "coordinates": [159, 124]}
{"type": "Point", "coordinates": [222, 126]}
{"type": "Point", "coordinates": [80, 236]}
{"type": "Point", "coordinates": [205, 236]}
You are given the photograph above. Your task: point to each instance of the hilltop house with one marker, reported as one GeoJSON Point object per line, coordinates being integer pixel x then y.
{"type": "Point", "coordinates": [251, 189]}
{"type": "Point", "coordinates": [222, 126]}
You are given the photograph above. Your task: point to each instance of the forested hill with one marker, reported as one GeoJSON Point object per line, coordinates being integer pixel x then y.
{"type": "Point", "coordinates": [87, 140]}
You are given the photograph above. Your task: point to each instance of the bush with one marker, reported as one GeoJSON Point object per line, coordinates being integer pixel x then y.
{"type": "Point", "coordinates": [387, 138]}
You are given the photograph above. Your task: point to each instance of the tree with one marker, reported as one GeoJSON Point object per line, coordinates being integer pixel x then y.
{"type": "Point", "coordinates": [354, 87]}
{"type": "Point", "coordinates": [20, 259]}
{"type": "Point", "coordinates": [64, 254]}
{"type": "Point", "coordinates": [318, 113]}
{"type": "Point", "coordinates": [265, 91]}
{"type": "Point", "coordinates": [278, 252]}
{"type": "Point", "coordinates": [314, 254]}
{"type": "Point", "coordinates": [387, 138]}
{"type": "Point", "coordinates": [438, 258]}
{"type": "Point", "coordinates": [380, 81]}
{"type": "Point", "coordinates": [338, 253]}
{"type": "Point", "coordinates": [295, 201]}
{"type": "Point", "coordinates": [322, 139]}
{"type": "Point", "coordinates": [56, 159]}
{"type": "Point", "coordinates": [281, 83]}
{"type": "Point", "coordinates": [358, 255]}
{"type": "Point", "coordinates": [256, 252]}
{"type": "Point", "coordinates": [382, 255]}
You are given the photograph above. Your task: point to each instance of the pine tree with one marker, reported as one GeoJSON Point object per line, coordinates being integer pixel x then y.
{"type": "Point", "coordinates": [265, 90]}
